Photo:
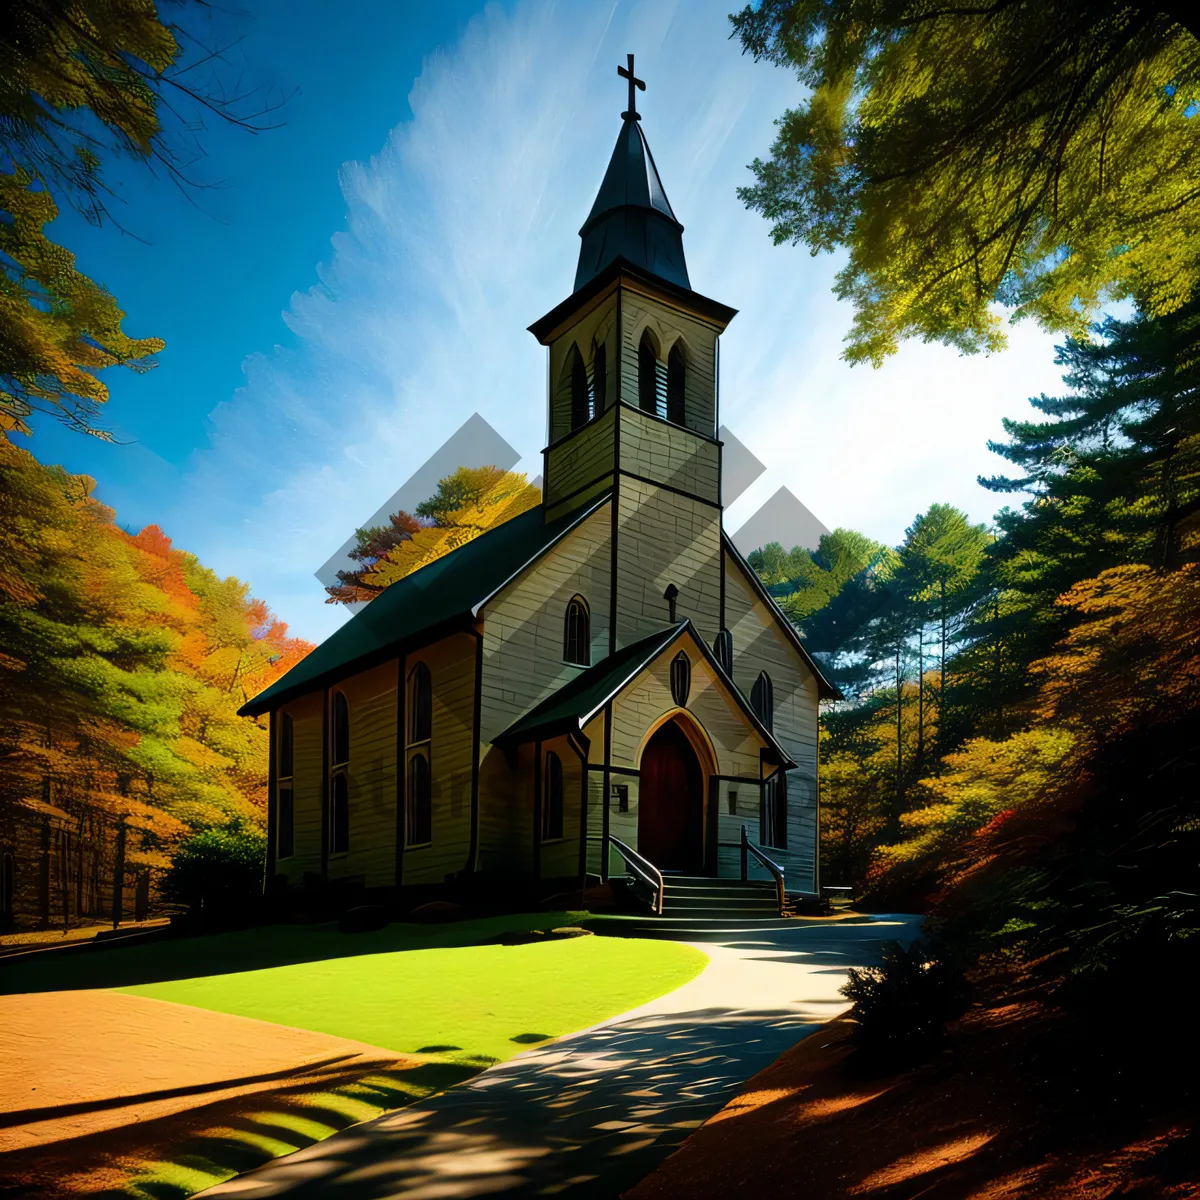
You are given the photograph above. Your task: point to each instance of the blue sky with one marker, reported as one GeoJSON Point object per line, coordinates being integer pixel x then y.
{"type": "Point", "coordinates": [361, 280]}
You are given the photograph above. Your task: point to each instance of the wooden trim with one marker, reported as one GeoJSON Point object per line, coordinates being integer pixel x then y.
{"type": "Point", "coordinates": [704, 437]}
{"type": "Point", "coordinates": [583, 817]}
{"type": "Point", "coordinates": [554, 445]}
{"type": "Point", "coordinates": [722, 552]}
{"type": "Point", "coordinates": [666, 487]}
{"type": "Point", "coordinates": [571, 495]}
{"type": "Point", "coordinates": [754, 779]}
{"type": "Point", "coordinates": [537, 809]}
{"type": "Point", "coordinates": [604, 822]}
{"type": "Point", "coordinates": [401, 772]}
{"type": "Point", "coordinates": [615, 500]}
{"type": "Point", "coordinates": [712, 826]}
{"type": "Point", "coordinates": [614, 769]}
{"type": "Point", "coordinates": [473, 853]}
{"type": "Point", "coordinates": [272, 797]}
{"type": "Point", "coordinates": [325, 788]}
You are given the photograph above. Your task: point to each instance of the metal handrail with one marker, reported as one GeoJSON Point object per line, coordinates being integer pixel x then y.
{"type": "Point", "coordinates": [643, 868]}
{"type": "Point", "coordinates": [773, 867]}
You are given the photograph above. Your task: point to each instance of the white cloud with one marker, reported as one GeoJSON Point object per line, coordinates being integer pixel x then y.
{"type": "Point", "coordinates": [463, 229]}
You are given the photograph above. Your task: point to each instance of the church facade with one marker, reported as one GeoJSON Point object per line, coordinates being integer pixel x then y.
{"type": "Point", "coordinates": [602, 672]}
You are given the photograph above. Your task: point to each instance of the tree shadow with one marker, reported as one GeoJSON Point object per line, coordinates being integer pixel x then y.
{"type": "Point", "coordinates": [252, 950]}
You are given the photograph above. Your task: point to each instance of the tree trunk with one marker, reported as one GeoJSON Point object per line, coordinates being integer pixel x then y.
{"type": "Point", "coordinates": [118, 896]}
{"type": "Point", "coordinates": [920, 696]}
{"type": "Point", "coordinates": [899, 740]}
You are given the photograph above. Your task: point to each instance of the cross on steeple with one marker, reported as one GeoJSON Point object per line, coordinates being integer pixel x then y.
{"type": "Point", "coordinates": [634, 82]}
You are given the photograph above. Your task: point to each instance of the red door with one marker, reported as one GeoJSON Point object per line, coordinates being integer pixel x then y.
{"type": "Point", "coordinates": [671, 802]}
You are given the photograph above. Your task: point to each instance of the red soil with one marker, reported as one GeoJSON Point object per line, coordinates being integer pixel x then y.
{"type": "Point", "coordinates": [964, 1125]}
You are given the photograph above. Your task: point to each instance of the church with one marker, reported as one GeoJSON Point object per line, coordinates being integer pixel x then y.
{"type": "Point", "coordinates": [600, 686]}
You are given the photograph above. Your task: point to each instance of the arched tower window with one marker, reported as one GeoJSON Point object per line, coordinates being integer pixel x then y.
{"type": "Point", "coordinates": [681, 678]}
{"type": "Point", "coordinates": [580, 401]}
{"type": "Point", "coordinates": [339, 781]}
{"type": "Point", "coordinates": [762, 699]}
{"type": "Point", "coordinates": [285, 808]}
{"type": "Point", "coordinates": [552, 799]}
{"type": "Point", "coordinates": [599, 379]}
{"type": "Point", "coordinates": [648, 373]}
{"type": "Point", "coordinates": [418, 816]}
{"type": "Point", "coordinates": [723, 649]}
{"type": "Point", "coordinates": [675, 377]}
{"type": "Point", "coordinates": [577, 637]}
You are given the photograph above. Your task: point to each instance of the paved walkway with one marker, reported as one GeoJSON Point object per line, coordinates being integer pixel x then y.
{"type": "Point", "coordinates": [590, 1114]}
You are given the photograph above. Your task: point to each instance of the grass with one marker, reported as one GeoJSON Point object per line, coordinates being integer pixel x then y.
{"type": "Point", "coordinates": [466, 1003]}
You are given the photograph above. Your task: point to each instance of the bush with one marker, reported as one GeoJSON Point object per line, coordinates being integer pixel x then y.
{"type": "Point", "coordinates": [903, 1005]}
{"type": "Point", "coordinates": [219, 873]}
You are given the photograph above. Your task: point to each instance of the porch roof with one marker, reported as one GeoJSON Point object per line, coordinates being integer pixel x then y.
{"type": "Point", "coordinates": [570, 708]}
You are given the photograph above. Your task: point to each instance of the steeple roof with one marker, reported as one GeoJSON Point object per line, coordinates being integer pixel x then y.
{"type": "Point", "coordinates": [632, 218]}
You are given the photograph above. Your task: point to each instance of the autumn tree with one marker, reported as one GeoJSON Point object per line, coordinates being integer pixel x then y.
{"type": "Point", "coordinates": [1040, 154]}
{"type": "Point", "coordinates": [466, 504]}
{"type": "Point", "coordinates": [84, 82]}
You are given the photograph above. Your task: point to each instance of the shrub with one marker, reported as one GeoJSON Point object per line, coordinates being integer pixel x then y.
{"type": "Point", "coordinates": [902, 1006]}
{"type": "Point", "coordinates": [219, 872]}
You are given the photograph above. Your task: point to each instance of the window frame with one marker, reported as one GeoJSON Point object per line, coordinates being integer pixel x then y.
{"type": "Point", "coordinates": [723, 650]}
{"type": "Point", "coordinates": [339, 779]}
{"type": "Point", "coordinates": [580, 392]}
{"type": "Point", "coordinates": [552, 799]}
{"type": "Point", "coordinates": [772, 826]}
{"type": "Point", "coordinates": [285, 784]}
{"type": "Point", "coordinates": [681, 678]}
{"type": "Point", "coordinates": [419, 676]}
{"type": "Point", "coordinates": [676, 400]}
{"type": "Point", "coordinates": [762, 700]}
{"type": "Point", "coordinates": [578, 604]}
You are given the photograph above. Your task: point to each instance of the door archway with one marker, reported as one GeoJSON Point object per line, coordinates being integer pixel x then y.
{"type": "Point", "coordinates": [671, 802]}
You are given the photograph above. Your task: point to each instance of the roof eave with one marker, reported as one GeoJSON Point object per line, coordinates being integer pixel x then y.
{"type": "Point", "coordinates": [825, 689]}
{"type": "Point", "coordinates": [545, 328]}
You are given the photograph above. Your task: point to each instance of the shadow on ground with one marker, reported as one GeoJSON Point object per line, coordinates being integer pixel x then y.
{"type": "Point", "coordinates": [250, 950]}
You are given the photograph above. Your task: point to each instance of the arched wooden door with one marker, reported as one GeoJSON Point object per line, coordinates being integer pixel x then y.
{"type": "Point", "coordinates": [671, 802]}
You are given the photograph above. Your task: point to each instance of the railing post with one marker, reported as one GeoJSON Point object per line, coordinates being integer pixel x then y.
{"type": "Point", "coordinates": [745, 855]}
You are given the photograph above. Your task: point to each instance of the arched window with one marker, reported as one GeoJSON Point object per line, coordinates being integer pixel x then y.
{"type": "Point", "coordinates": [418, 816]}
{"type": "Point", "coordinates": [773, 826]}
{"type": "Point", "coordinates": [552, 799]}
{"type": "Point", "coordinates": [648, 373]}
{"type": "Point", "coordinates": [723, 649]}
{"type": "Point", "coordinates": [420, 704]}
{"type": "Point", "coordinates": [762, 699]}
{"type": "Point", "coordinates": [675, 375]}
{"type": "Point", "coordinates": [599, 379]}
{"type": "Point", "coordinates": [285, 814]}
{"type": "Point", "coordinates": [420, 801]}
{"type": "Point", "coordinates": [681, 678]}
{"type": "Point", "coordinates": [339, 781]}
{"type": "Point", "coordinates": [579, 390]}
{"type": "Point", "coordinates": [577, 637]}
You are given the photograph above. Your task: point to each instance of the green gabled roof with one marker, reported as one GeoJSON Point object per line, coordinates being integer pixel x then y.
{"type": "Point", "coordinates": [578, 700]}
{"type": "Point", "coordinates": [422, 604]}
{"type": "Point", "coordinates": [570, 708]}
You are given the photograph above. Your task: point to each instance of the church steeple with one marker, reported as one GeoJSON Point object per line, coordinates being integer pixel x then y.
{"type": "Point", "coordinates": [632, 218]}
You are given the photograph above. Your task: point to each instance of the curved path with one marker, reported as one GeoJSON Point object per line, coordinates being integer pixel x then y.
{"type": "Point", "coordinates": [590, 1114]}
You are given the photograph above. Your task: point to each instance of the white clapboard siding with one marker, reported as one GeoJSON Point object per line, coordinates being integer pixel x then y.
{"type": "Point", "coordinates": [597, 326]}
{"type": "Point", "coordinates": [759, 644]}
{"type": "Point", "coordinates": [584, 460]}
{"type": "Point", "coordinates": [664, 538]}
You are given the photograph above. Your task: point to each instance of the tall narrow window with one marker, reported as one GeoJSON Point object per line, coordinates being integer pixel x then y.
{"type": "Point", "coordinates": [681, 678]}
{"type": "Point", "coordinates": [552, 800]}
{"type": "Point", "coordinates": [579, 390]}
{"type": "Point", "coordinates": [773, 826]}
{"type": "Point", "coordinates": [420, 800]}
{"type": "Point", "coordinates": [675, 376]}
{"type": "Point", "coordinates": [762, 699]}
{"type": "Point", "coordinates": [339, 781]}
{"type": "Point", "coordinates": [599, 379]}
{"type": "Point", "coordinates": [648, 373]}
{"type": "Point", "coordinates": [418, 823]}
{"type": "Point", "coordinates": [577, 638]}
{"type": "Point", "coordinates": [723, 649]}
{"type": "Point", "coordinates": [285, 815]}
{"type": "Point", "coordinates": [420, 704]}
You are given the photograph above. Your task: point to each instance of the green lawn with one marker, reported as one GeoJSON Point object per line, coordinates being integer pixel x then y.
{"type": "Point", "coordinates": [468, 1003]}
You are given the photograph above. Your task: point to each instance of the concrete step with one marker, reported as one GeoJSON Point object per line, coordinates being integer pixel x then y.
{"type": "Point", "coordinates": [686, 929]}
{"type": "Point", "coordinates": [732, 905]}
{"type": "Point", "coordinates": [731, 891]}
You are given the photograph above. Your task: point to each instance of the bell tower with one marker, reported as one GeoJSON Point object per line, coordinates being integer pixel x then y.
{"type": "Point", "coordinates": [632, 405]}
